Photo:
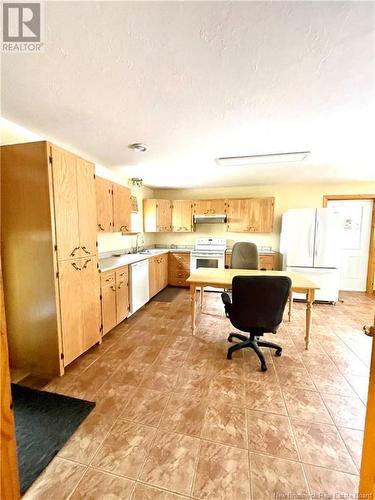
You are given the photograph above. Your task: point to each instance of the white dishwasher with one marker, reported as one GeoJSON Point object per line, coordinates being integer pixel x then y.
{"type": "Point", "coordinates": [139, 285]}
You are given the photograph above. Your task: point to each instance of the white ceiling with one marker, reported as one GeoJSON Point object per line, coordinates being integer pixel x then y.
{"type": "Point", "coordinates": [200, 80]}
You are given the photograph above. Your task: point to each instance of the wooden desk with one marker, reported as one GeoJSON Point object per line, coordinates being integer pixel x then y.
{"type": "Point", "coordinates": [222, 278]}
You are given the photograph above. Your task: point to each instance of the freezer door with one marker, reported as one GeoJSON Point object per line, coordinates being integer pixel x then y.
{"type": "Point", "coordinates": [327, 239]}
{"type": "Point", "coordinates": [297, 237]}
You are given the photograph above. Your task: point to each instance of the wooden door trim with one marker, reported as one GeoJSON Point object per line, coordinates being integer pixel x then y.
{"type": "Point", "coordinates": [371, 253]}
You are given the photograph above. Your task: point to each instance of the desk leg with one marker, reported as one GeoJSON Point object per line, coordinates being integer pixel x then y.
{"type": "Point", "coordinates": [310, 296]}
{"type": "Point", "coordinates": [192, 305]}
{"type": "Point", "coordinates": [201, 297]}
{"type": "Point", "coordinates": [290, 304]}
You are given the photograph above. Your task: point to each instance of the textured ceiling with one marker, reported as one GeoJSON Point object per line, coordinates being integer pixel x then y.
{"type": "Point", "coordinates": [200, 80]}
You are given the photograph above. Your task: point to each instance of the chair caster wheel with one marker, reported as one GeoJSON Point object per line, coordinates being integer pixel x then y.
{"type": "Point", "coordinates": [230, 338]}
{"type": "Point", "coordinates": [263, 368]}
{"type": "Point", "coordinates": [278, 353]}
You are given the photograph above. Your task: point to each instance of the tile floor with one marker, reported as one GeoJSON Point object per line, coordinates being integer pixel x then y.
{"type": "Point", "coordinates": [174, 419]}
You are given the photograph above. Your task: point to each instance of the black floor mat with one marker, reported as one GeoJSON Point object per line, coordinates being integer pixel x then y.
{"type": "Point", "coordinates": [44, 423]}
{"type": "Point", "coordinates": [168, 294]}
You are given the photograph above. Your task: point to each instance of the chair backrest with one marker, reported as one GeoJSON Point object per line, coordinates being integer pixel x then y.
{"type": "Point", "coordinates": [258, 302]}
{"type": "Point", "coordinates": [245, 256]}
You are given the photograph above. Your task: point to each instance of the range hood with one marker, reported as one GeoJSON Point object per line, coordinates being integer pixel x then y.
{"type": "Point", "coordinates": [210, 218]}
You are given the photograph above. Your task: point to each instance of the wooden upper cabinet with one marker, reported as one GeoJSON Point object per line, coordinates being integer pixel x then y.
{"type": "Point", "coordinates": [182, 221]}
{"type": "Point", "coordinates": [209, 207]}
{"type": "Point", "coordinates": [65, 193]}
{"type": "Point", "coordinates": [250, 215]}
{"type": "Point", "coordinates": [121, 208]}
{"type": "Point", "coordinates": [86, 207]}
{"type": "Point", "coordinates": [104, 204]}
{"type": "Point", "coordinates": [157, 216]}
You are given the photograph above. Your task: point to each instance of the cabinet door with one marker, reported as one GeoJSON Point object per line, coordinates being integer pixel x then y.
{"type": "Point", "coordinates": [122, 294]}
{"type": "Point", "coordinates": [65, 194]}
{"type": "Point", "coordinates": [164, 216]}
{"type": "Point", "coordinates": [86, 207]}
{"type": "Point", "coordinates": [260, 215]}
{"type": "Point", "coordinates": [163, 271]}
{"type": "Point", "coordinates": [104, 204]}
{"type": "Point", "coordinates": [209, 207]}
{"type": "Point", "coordinates": [70, 309]}
{"type": "Point", "coordinates": [153, 276]}
{"type": "Point", "coordinates": [90, 301]}
{"type": "Point", "coordinates": [109, 315]}
{"type": "Point", "coordinates": [149, 215]}
{"type": "Point", "coordinates": [182, 216]}
{"type": "Point", "coordinates": [238, 215]}
{"type": "Point", "coordinates": [121, 208]}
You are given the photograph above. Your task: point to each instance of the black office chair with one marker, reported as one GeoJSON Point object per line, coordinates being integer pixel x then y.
{"type": "Point", "coordinates": [257, 307]}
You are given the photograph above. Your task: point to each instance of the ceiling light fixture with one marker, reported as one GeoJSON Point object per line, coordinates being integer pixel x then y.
{"type": "Point", "coordinates": [136, 181]}
{"type": "Point", "coordinates": [139, 146]}
{"type": "Point", "coordinates": [244, 161]}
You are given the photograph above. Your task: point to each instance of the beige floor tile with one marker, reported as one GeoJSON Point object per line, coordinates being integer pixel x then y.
{"type": "Point", "coordinates": [321, 445]}
{"type": "Point", "coordinates": [184, 414]}
{"type": "Point", "coordinates": [264, 397]}
{"type": "Point", "coordinates": [145, 492]}
{"type": "Point", "coordinates": [171, 462]}
{"type": "Point", "coordinates": [222, 473]}
{"type": "Point", "coordinates": [96, 484]}
{"type": "Point", "coordinates": [325, 483]}
{"type": "Point", "coordinates": [227, 390]}
{"type": "Point", "coordinates": [306, 405]}
{"type": "Point", "coordinates": [193, 383]}
{"type": "Point", "coordinates": [225, 424]}
{"type": "Point", "coordinates": [232, 368]}
{"type": "Point", "coordinates": [290, 376]}
{"type": "Point", "coordinates": [346, 411]}
{"type": "Point", "coordinates": [332, 383]}
{"type": "Point", "coordinates": [276, 478]}
{"type": "Point", "coordinates": [130, 373]}
{"type": "Point", "coordinates": [271, 434]}
{"type": "Point", "coordinates": [353, 440]}
{"type": "Point", "coordinates": [146, 406]}
{"type": "Point", "coordinates": [125, 449]}
{"type": "Point", "coordinates": [57, 481]}
{"type": "Point", "coordinates": [159, 379]}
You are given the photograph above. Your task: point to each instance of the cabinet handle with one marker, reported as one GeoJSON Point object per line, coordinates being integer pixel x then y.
{"type": "Point", "coordinates": [120, 285]}
{"type": "Point", "coordinates": [100, 227]}
{"type": "Point", "coordinates": [76, 267]}
{"type": "Point", "coordinates": [85, 250]}
{"type": "Point", "coordinates": [124, 228]}
{"type": "Point", "coordinates": [108, 279]}
{"type": "Point", "coordinates": [113, 288]}
{"type": "Point", "coordinates": [74, 251]}
{"type": "Point", "coordinates": [85, 264]}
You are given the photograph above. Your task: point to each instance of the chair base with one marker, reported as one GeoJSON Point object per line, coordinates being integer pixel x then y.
{"type": "Point", "coordinates": [253, 343]}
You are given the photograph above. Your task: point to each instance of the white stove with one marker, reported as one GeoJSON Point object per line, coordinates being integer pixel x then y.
{"type": "Point", "coordinates": [208, 253]}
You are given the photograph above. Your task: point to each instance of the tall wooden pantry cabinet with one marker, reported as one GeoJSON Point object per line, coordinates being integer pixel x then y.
{"type": "Point", "coordinates": [49, 250]}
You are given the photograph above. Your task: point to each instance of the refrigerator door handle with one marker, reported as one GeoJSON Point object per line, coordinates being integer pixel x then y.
{"type": "Point", "coordinates": [316, 239]}
{"type": "Point", "coordinates": [311, 239]}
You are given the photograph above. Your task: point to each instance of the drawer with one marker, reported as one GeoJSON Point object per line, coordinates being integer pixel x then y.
{"type": "Point", "coordinates": [107, 278]}
{"type": "Point", "coordinates": [178, 274]}
{"type": "Point", "coordinates": [177, 282]}
{"type": "Point", "coordinates": [122, 274]}
{"type": "Point", "coordinates": [267, 262]}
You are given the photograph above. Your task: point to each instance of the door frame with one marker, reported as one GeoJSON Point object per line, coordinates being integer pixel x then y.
{"type": "Point", "coordinates": [371, 253]}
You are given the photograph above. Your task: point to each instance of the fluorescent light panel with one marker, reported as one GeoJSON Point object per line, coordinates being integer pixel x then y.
{"type": "Point", "coordinates": [244, 161]}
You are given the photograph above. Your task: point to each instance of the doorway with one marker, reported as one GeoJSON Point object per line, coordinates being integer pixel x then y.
{"type": "Point", "coordinates": [355, 232]}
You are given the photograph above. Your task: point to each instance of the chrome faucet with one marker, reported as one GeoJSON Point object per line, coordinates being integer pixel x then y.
{"type": "Point", "coordinates": [137, 242]}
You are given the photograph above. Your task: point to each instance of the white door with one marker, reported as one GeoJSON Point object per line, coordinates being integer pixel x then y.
{"type": "Point", "coordinates": [297, 237]}
{"type": "Point", "coordinates": [355, 228]}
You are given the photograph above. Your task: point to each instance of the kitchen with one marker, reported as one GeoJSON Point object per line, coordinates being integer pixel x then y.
{"type": "Point", "coordinates": [151, 139]}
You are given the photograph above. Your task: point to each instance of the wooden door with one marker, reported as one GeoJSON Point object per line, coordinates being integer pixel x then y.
{"type": "Point", "coordinates": [163, 272]}
{"type": "Point", "coordinates": [121, 208]}
{"type": "Point", "coordinates": [209, 207]}
{"type": "Point", "coordinates": [238, 215]}
{"type": "Point", "coordinates": [122, 294]}
{"type": "Point", "coordinates": [164, 216]}
{"type": "Point", "coordinates": [182, 216]}
{"type": "Point", "coordinates": [260, 215]}
{"type": "Point", "coordinates": [108, 293]}
{"type": "Point", "coordinates": [104, 205]}
{"type": "Point", "coordinates": [64, 179]}
{"type": "Point", "coordinates": [86, 207]}
{"type": "Point", "coordinates": [367, 474]}
{"type": "Point", "coordinates": [9, 485]}
{"type": "Point", "coordinates": [71, 309]}
{"type": "Point", "coordinates": [90, 302]}
{"type": "Point", "coordinates": [153, 273]}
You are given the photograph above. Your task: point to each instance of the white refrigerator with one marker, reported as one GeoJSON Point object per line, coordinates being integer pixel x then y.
{"type": "Point", "coordinates": [310, 245]}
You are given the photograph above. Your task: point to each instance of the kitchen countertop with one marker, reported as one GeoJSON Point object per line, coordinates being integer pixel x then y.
{"type": "Point", "coordinates": [260, 252]}
{"type": "Point", "coordinates": [113, 262]}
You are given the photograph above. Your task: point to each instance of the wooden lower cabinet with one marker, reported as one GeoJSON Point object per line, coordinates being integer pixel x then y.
{"type": "Point", "coordinates": [178, 268]}
{"type": "Point", "coordinates": [114, 297]}
{"type": "Point", "coordinates": [266, 261]}
{"type": "Point", "coordinates": [158, 273]}
{"type": "Point", "coordinates": [79, 306]}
